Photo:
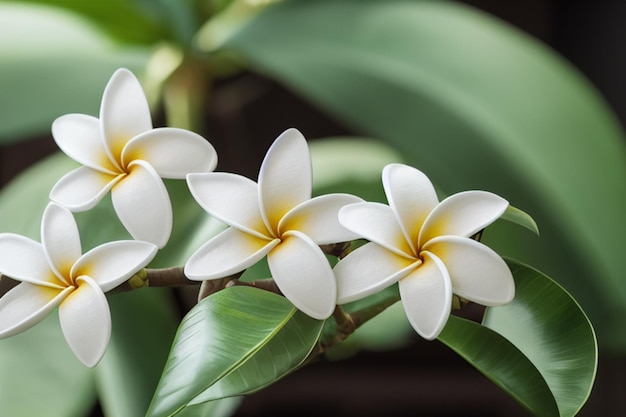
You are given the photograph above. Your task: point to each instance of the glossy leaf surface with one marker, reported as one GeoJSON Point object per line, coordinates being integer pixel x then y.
{"type": "Point", "coordinates": [540, 348]}
{"type": "Point", "coordinates": [549, 327]}
{"type": "Point", "coordinates": [234, 342]}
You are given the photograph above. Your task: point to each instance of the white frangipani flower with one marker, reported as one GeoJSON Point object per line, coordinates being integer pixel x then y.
{"type": "Point", "coordinates": [121, 152]}
{"type": "Point", "coordinates": [424, 245]}
{"type": "Point", "coordinates": [55, 273]}
{"type": "Point", "coordinates": [276, 217]}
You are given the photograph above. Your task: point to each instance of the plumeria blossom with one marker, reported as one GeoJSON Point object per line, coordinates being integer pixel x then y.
{"type": "Point", "coordinates": [276, 218]}
{"type": "Point", "coordinates": [424, 245]}
{"type": "Point", "coordinates": [56, 273]}
{"type": "Point", "coordinates": [122, 153]}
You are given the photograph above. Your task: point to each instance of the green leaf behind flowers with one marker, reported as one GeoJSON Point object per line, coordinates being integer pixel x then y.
{"type": "Point", "coordinates": [473, 103]}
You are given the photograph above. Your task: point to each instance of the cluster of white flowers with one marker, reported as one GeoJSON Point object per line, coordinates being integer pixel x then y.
{"type": "Point", "coordinates": [417, 241]}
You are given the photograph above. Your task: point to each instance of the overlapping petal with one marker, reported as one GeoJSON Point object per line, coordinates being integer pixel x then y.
{"type": "Point", "coordinates": [79, 136]}
{"type": "Point", "coordinates": [285, 178]}
{"type": "Point", "coordinates": [411, 196]}
{"type": "Point", "coordinates": [143, 205]}
{"type": "Point", "coordinates": [318, 219]}
{"type": "Point", "coordinates": [112, 263]}
{"type": "Point", "coordinates": [377, 223]}
{"type": "Point", "coordinates": [60, 240]}
{"type": "Point", "coordinates": [83, 188]}
{"type": "Point", "coordinates": [124, 112]}
{"type": "Point", "coordinates": [230, 198]}
{"type": "Point", "coordinates": [477, 272]}
{"type": "Point", "coordinates": [23, 259]}
{"type": "Point", "coordinates": [304, 276]}
{"type": "Point", "coordinates": [368, 270]}
{"type": "Point", "coordinates": [172, 152]}
{"type": "Point", "coordinates": [26, 305]}
{"type": "Point", "coordinates": [426, 296]}
{"type": "Point", "coordinates": [227, 253]}
{"type": "Point", "coordinates": [463, 214]}
{"type": "Point", "coordinates": [86, 321]}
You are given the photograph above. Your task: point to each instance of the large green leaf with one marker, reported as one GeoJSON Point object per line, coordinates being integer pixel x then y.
{"type": "Point", "coordinates": [125, 20]}
{"type": "Point", "coordinates": [501, 362]}
{"type": "Point", "coordinates": [144, 323]}
{"type": "Point", "coordinates": [233, 342]}
{"type": "Point", "coordinates": [40, 376]}
{"type": "Point", "coordinates": [53, 63]}
{"type": "Point", "coordinates": [24, 199]}
{"type": "Point", "coordinates": [549, 327]}
{"type": "Point", "coordinates": [38, 363]}
{"type": "Point", "coordinates": [474, 104]}
{"type": "Point", "coordinates": [540, 348]}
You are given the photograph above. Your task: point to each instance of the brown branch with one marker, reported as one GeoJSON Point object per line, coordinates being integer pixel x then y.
{"type": "Point", "coordinates": [338, 250]}
{"type": "Point", "coordinates": [6, 284]}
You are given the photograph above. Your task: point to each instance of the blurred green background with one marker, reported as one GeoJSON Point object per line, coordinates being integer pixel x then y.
{"type": "Point", "coordinates": [525, 99]}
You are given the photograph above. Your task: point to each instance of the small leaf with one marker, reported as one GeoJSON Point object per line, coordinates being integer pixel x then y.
{"type": "Point", "coordinates": [233, 342]}
{"type": "Point", "coordinates": [549, 327]}
{"type": "Point", "coordinates": [521, 218]}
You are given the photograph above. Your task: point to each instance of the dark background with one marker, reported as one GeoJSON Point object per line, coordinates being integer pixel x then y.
{"type": "Point", "coordinates": [425, 378]}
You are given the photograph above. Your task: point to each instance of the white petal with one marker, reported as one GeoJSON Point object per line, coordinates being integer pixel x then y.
{"type": "Point", "coordinates": [285, 178]}
{"type": "Point", "coordinates": [477, 272]}
{"type": "Point", "coordinates": [23, 259]}
{"type": "Point", "coordinates": [303, 275]}
{"type": "Point", "coordinates": [80, 137]}
{"type": "Point", "coordinates": [376, 222]}
{"type": "Point", "coordinates": [143, 205]}
{"type": "Point", "coordinates": [427, 297]}
{"type": "Point", "coordinates": [113, 263]}
{"type": "Point", "coordinates": [230, 198]}
{"type": "Point", "coordinates": [411, 196]}
{"type": "Point", "coordinates": [124, 112]}
{"type": "Point", "coordinates": [463, 214]}
{"type": "Point", "coordinates": [86, 321]}
{"type": "Point", "coordinates": [318, 219]}
{"type": "Point", "coordinates": [172, 152]}
{"type": "Point", "coordinates": [82, 188]}
{"type": "Point", "coordinates": [368, 270]}
{"type": "Point", "coordinates": [60, 240]}
{"type": "Point", "coordinates": [26, 305]}
{"type": "Point", "coordinates": [227, 253]}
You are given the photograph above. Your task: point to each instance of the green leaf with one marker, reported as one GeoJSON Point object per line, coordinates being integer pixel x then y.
{"type": "Point", "coordinates": [540, 348]}
{"type": "Point", "coordinates": [501, 362]}
{"type": "Point", "coordinates": [233, 342]}
{"type": "Point", "coordinates": [53, 63]}
{"type": "Point", "coordinates": [128, 21]}
{"type": "Point", "coordinates": [474, 104]}
{"type": "Point", "coordinates": [549, 327]}
{"type": "Point", "coordinates": [339, 161]}
{"type": "Point", "coordinates": [144, 323]}
{"type": "Point", "coordinates": [521, 218]}
{"type": "Point", "coordinates": [40, 376]}
{"type": "Point", "coordinates": [24, 199]}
